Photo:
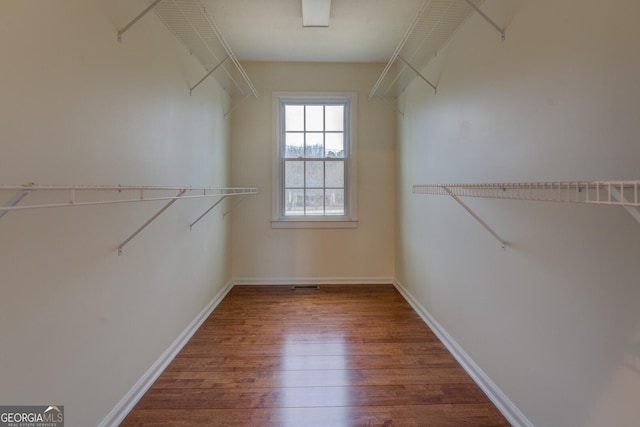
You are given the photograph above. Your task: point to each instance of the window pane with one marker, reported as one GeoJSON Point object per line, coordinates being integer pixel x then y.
{"type": "Point", "coordinates": [314, 202]}
{"type": "Point", "coordinates": [334, 174]}
{"type": "Point", "coordinates": [294, 117]}
{"type": "Point", "coordinates": [294, 174]}
{"type": "Point", "coordinates": [293, 202]}
{"type": "Point", "coordinates": [334, 202]}
{"type": "Point", "coordinates": [334, 117]}
{"type": "Point", "coordinates": [314, 117]}
{"type": "Point", "coordinates": [294, 144]}
{"type": "Point", "coordinates": [334, 145]}
{"type": "Point", "coordinates": [314, 145]}
{"type": "Point", "coordinates": [314, 174]}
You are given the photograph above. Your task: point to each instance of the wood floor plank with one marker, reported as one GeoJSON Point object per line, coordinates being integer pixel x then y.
{"type": "Point", "coordinates": [315, 362]}
{"type": "Point", "coordinates": [311, 378]}
{"type": "Point", "coordinates": [302, 397]}
{"type": "Point", "coordinates": [299, 344]}
{"type": "Point", "coordinates": [339, 356]}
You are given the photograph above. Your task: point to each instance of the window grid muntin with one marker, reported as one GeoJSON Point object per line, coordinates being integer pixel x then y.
{"type": "Point", "coordinates": [324, 188]}
{"type": "Point", "coordinates": [345, 154]}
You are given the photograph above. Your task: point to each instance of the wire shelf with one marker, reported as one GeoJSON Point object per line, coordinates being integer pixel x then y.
{"type": "Point", "coordinates": [143, 194]}
{"type": "Point", "coordinates": [617, 193]}
{"type": "Point", "coordinates": [436, 22]}
{"type": "Point", "coordinates": [191, 24]}
{"type": "Point", "coordinates": [613, 193]}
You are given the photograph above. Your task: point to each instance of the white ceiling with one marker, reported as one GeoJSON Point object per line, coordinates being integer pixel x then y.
{"type": "Point", "coordinates": [271, 30]}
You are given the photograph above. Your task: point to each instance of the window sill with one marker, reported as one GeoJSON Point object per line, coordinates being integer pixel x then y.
{"type": "Point", "coordinates": [311, 223]}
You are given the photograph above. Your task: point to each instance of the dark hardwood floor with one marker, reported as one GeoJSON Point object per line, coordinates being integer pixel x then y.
{"type": "Point", "coordinates": [339, 356]}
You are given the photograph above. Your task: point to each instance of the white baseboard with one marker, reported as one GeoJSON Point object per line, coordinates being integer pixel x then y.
{"type": "Point", "coordinates": [502, 402]}
{"type": "Point", "coordinates": [243, 281]}
{"type": "Point", "coordinates": [126, 404]}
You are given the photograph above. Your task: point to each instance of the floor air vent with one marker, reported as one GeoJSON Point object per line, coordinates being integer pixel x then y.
{"type": "Point", "coordinates": [300, 287]}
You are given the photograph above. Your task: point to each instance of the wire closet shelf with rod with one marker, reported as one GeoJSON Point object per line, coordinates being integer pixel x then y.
{"type": "Point", "coordinates": [100, 195]}
{"type": "Point", "coordinates": [605, 193]}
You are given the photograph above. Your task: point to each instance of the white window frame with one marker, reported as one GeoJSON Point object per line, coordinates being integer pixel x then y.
{"type": "Point", "coordinates": [350, 219]}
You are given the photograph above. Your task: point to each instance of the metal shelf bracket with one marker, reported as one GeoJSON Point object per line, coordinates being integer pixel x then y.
{"type": "Point", "coordinates": [389, 104]}
{"type": "Point", "coordinates": [435, 88]}
{"type": "Point", "coordinates": [208, 74]}
{"type": "Point", "coordinates": [206, 212]}
{"type": "Point", "coordinates": [486, 18]}
{"type": "Point", "coordinates": [617, 195]}
{"type": "Point", "coordinates": [14, 200]}
{"type": "Point", "coordinates": [164, 208]}
{"type": "Point", "coordinates": [238, 104]}
{"type": "Point", "coordinates": [233, 206]}
{"type": "Point", "coordinates": [503, 243]}
{"type": "Point", "coordinates": [136, 19]}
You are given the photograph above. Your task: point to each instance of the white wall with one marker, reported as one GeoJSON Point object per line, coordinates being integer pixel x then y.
{"type": "Point", "coordinates": [260, 253]}
{"type": "Point", "coordinates": [78, 324]}
{"type": "Point", "coordinates": [554, 319]}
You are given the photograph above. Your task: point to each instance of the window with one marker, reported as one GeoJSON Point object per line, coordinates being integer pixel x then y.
{"type": "Point", "coordinates": [314, 178]}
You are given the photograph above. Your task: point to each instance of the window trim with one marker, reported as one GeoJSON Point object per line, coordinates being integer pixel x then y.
{"type": "Point", "coordinates": [350, 219]}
